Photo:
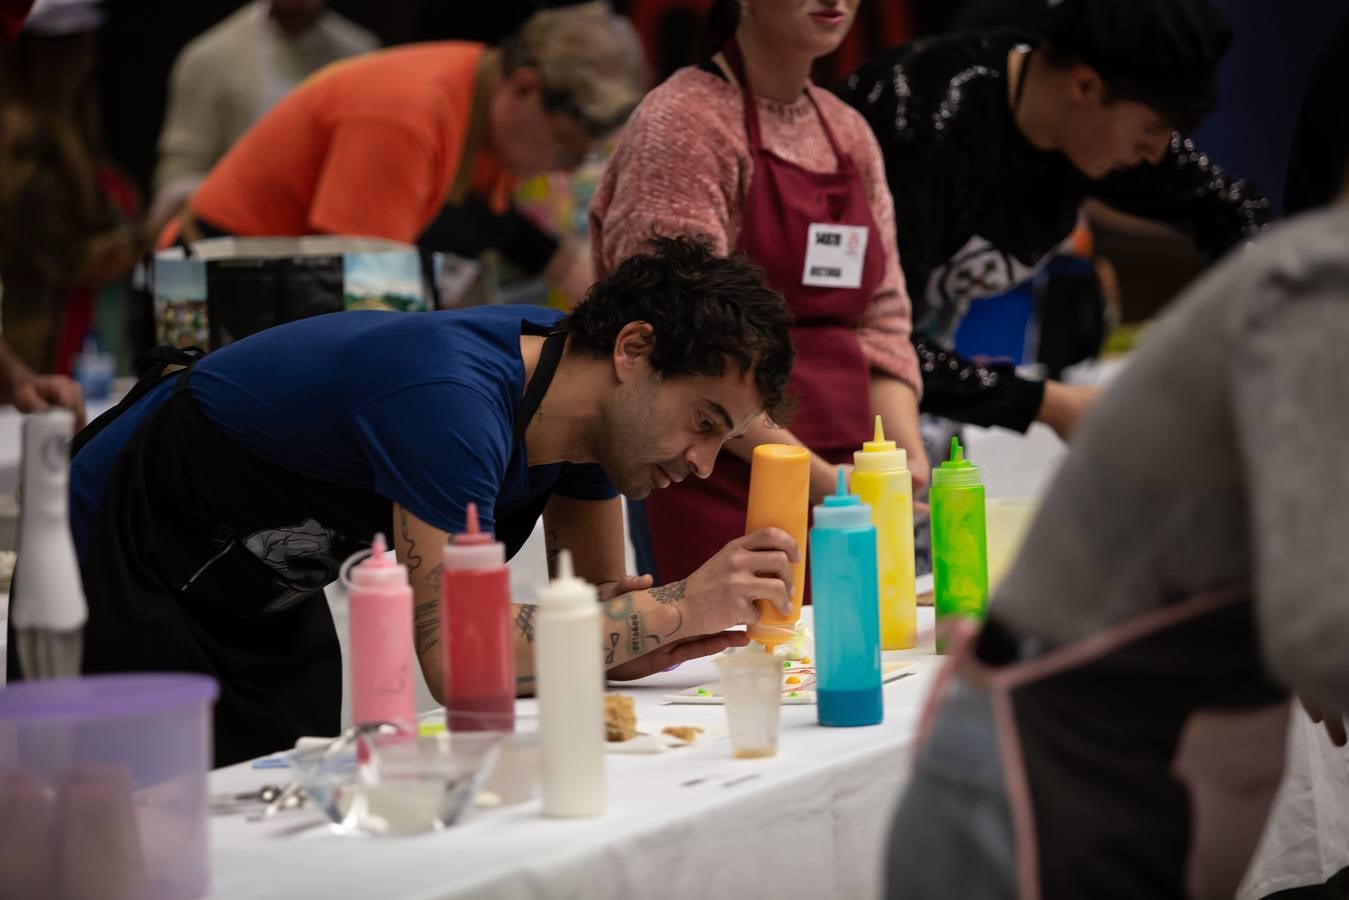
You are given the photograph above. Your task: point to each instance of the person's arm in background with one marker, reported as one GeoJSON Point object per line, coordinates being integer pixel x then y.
{"type": "Point", "coordinates": [471, 227]}
{"type": "Point", "coordinates": [1188, 192]}
{"type": "Point", "coordinates": [570, 270]}
{"type": "Point", "coordinates": [193, 137]}
{"type": "Point", "coordinates": [676, 171]}
{"type": "Point", "coordinates": [33, 393]}
{"type": "Point", "coordinates": [1288, 402]}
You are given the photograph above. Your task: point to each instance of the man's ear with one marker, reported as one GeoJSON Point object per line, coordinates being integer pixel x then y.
{"type": "Point", "coordinates": [632, 349]}
{"type": "Point", "coordinates": [1085, 84]}
{"type": "Point", "coordinates": [523, 82]}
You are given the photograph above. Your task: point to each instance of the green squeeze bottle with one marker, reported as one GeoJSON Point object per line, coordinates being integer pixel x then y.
{"type": "Point", "coordinates": [959, 550]}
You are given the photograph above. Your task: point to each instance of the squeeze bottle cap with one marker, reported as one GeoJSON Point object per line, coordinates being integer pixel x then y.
{"type": "Point", "coordinates": [472, 548]}
{"type": "Point", "coordinates": [471, 536]}
{"type": "Point", "coordinates": [378, 572]}
{"type": "Point", "coordinates": [566, 590]}
{"type": "Point", "coordinates": [842, 509]}
{"type": "Point", "coordinates": [956, 471]}
{"type": "Point", "coordinates": [880, 455]}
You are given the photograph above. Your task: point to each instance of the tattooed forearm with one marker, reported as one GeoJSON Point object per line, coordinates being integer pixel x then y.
{"type": "Point", "coordinates": [551, 548]}
{"type": "Point", "coordinates": [669, 593]}
{"type": "Point", "coordinates": [426, 624]}
{"type": "Point", "coordinates": [524, 620]}
{"type": "Point", "coordinates": [414, 558]}
{"type": "Point", "coordinates": [638, 635]}
{"type": "Point", "coordinates": [619, 608]}
{"type": "Point", "coordinates": [634, 634]}
{"type": "Point", "coordinates": [613, 646]}
{"type": "Point", "coordinates": [432, 578]}
{"type": "Point", "coordinates": [679, 622]}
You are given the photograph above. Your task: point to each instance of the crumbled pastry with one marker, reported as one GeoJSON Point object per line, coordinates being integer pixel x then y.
{"type": "Point", "coordinates": [620, 718]}
{"type": "Point", "coordinates": [685, 733]}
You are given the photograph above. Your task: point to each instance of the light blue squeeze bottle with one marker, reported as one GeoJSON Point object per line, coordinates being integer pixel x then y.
{"type": "Point", "coordinates": [843, 583]}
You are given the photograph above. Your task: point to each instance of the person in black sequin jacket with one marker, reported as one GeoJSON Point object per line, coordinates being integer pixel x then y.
{"type": "Point", "coordinates": [992, 141]}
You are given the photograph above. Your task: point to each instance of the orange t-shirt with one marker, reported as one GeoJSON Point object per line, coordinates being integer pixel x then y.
{"type": "Point", "coordinates": [370, 147]}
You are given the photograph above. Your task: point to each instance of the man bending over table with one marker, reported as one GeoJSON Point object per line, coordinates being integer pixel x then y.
{"type": "Point", "coordinates": [211, 508]}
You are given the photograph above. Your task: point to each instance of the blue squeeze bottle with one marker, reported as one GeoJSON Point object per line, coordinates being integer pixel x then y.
{"type": "Point", "coordinates": [847, 613]}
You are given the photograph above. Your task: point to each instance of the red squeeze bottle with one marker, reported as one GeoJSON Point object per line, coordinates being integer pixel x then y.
{"type": "Point", "coordinates": [475, 596]}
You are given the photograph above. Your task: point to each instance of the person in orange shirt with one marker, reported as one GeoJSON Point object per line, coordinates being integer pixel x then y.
{"type": "Point", "coordinates": [378, 145]}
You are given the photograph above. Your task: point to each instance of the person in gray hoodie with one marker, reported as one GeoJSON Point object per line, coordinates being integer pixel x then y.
{"type": "Point", "coordinates": [1116, 728]}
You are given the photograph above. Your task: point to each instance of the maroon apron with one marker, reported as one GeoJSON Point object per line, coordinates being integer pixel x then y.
{"type": "Point", "coordinates": [692, 520]}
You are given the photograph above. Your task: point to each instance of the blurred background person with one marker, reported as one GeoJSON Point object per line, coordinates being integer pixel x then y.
{"type": "Point", "coordinates": [994, 139]}
{"type": "Point", "coordinates": [386, 145]}
{"type": "Point", "coordinates": [69, 217]}
{"type": "Point", "coordinates": [225, 79]}
{"type": "Point", "coordinates": [744, 149]}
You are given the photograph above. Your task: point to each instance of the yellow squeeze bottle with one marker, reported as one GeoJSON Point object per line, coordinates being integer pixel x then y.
{"type": "Point", "coordinates": [881, 479]}
{"type": "Point", "coordinates": [779, 497]}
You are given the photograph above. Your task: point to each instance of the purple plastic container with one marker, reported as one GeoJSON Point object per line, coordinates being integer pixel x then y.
{"type": "Point", "coordinates": [103, 787]}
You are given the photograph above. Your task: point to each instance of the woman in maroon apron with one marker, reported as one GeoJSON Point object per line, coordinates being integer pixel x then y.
{"type": "Point", "coordinates": [793, 186]}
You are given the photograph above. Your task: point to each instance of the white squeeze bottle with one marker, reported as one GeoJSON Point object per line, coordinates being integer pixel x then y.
{"type": "Point", "coordinates": [570, 687]}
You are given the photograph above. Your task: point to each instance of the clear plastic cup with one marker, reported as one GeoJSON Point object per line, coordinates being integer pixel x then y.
{"type": "Point", "coordinates": [371, 782]}
{"type": "Point", "coordinates": [517, 775]}
{"type": "Point", "coordinates": [1008, 519]}
{"type": "Point", "coordinates": [751, 685]}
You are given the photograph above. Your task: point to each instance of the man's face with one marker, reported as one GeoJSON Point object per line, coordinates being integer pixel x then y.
{"type": "Point", "coordinates": [530, 139]}
{"type": "Point", "coordinates": [653, 432]}
{"type": "Point", "coordinates": [1104, 135]}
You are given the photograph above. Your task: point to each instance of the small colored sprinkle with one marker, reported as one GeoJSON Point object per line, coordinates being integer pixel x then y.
{"type": "Point", "coordinates": [793, 680]}
{"type": "Point", "coordinates": [805, 661]}
{"type": "Point", "coordinates": [793, 694]}
{"type": "Point", "coordinates": [702, 692]}
{"type": "Point", "coordinates": [787, 664]}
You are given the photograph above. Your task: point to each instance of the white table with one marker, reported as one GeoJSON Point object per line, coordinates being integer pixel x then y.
{"type": "Point", "coordinates": [813, 818]}
{"type": "Point", "coordinates": [687, 823]}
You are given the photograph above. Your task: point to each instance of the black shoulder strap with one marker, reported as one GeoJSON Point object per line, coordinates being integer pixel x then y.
{"type": "Point", "coordinates": [150, 367]}
{"type": "Point", "coordinates": [549, 357]}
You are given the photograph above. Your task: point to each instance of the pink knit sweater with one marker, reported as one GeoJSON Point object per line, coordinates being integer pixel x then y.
{"type": "Point", "coordinates": [683, 166]}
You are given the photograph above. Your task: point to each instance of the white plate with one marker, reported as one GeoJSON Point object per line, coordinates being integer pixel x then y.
{"type": "Point", "coordinates": [794, 693]}
{"type": "Point", "coordinates": [650, 740]}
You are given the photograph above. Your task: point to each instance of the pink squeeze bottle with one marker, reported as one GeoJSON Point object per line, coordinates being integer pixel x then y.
{"type": "Point", "coordinates": [479, 643]}
{"type": "Point", "coordinates": [382, 662]}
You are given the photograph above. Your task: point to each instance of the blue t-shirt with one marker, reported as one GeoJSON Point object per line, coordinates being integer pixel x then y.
{"type": "Point", "coordinates": [418, 408]}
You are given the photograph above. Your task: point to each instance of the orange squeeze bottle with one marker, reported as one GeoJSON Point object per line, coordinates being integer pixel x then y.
{"type": "Point", "coordinates": [779, 497]}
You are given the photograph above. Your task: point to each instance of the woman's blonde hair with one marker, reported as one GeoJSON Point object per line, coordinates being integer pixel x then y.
{"type": "Point", "coordinates": [589, 60]}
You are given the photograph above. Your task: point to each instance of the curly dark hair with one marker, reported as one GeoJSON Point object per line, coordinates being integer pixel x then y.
{"type": "Point", "coordinates": [704, 309]}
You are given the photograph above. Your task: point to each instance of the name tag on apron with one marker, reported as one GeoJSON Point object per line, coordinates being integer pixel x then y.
{"type": "Point", "coordinates": [834, 255]}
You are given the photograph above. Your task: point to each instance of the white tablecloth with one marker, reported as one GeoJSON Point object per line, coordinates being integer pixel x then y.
{"type": "Point", "coordinates": [688, 823]}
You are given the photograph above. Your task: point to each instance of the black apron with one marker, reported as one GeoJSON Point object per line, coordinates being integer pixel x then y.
{"type": "Point", "coordinates": [205, 558]}
{"type": "Point", "coordinates": [1140, 761]}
